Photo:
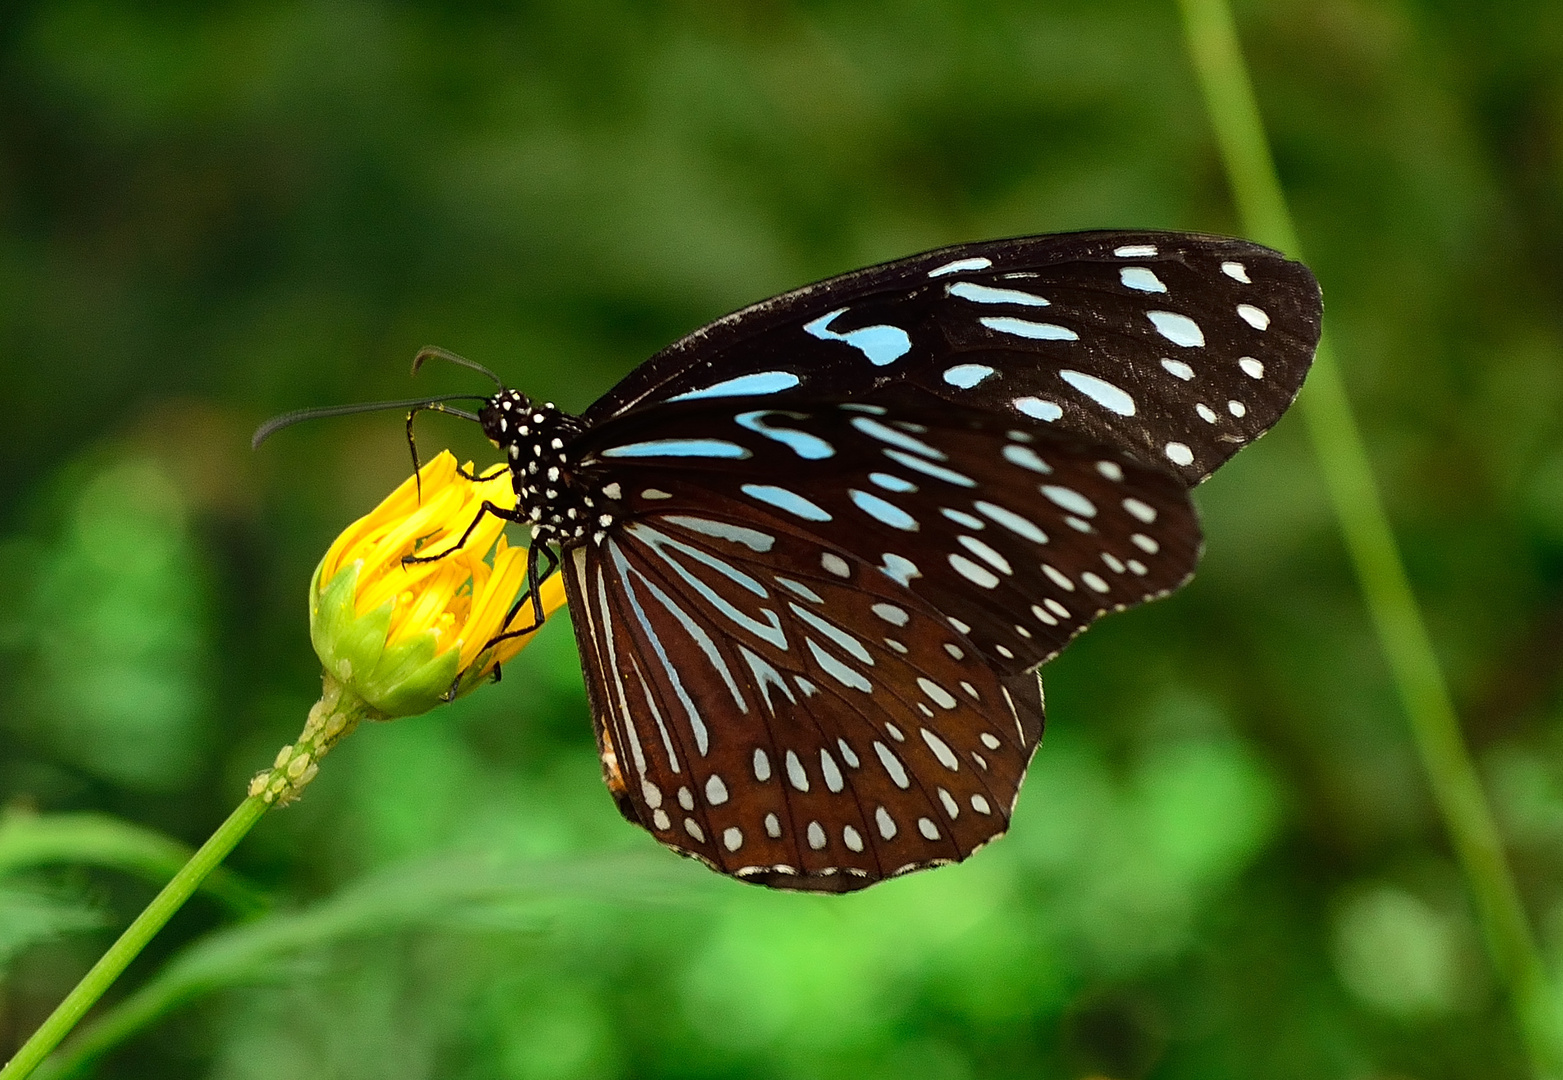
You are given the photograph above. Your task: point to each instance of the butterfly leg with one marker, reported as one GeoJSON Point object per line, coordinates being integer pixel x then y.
{"type": "Point", "coordinates": [535, 579]}
{"type": "Point", "coordinates": [532, 595]}
{"type": "Point", "coordinates": [487, 508]}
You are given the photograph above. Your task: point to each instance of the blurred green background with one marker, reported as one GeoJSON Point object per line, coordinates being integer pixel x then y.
{"type": "Point", "coordinates": [1225, 862]}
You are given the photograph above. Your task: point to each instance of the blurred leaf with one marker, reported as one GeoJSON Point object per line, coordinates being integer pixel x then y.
{"type": "Point", "coordinates": [112, 632]}
{"type": "Point", "coordinates": [33, 916]}
{"type": "Point", "coordinates": [450, 894]}
{"type": "Point", "coordinates": [29, 840]}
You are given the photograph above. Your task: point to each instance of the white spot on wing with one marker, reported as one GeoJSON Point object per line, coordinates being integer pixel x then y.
{"type": "Point", "coordinates": [1104, 393]}
{"type": "Point", "coordinates": [1059, 578]}
{"type": "Point", "coordinates": [1069, 499]}
{"type": "Point", "coordinates": [977, 575]}
{"type": "Point", "coordinates": [882, 511]}
{"type": "Point", "coordinates": [1255, 317]}
{"type": "Point", "coordinates": [1236, 271]}
{"type": "Point", "coordinates": [1135, 251]}
{"type": "Point", "coordinates": [987, 294]}
{"type": "Point", "coordinates": [951, 809]}
{"type": "Point", "coordinates": [1251, 367]}
{"type": "Point", "coordinates": [1178, 329]}
{"type": "Point", "coordinates": [986, 554]}
{"type": "Point", "coordinates": [891, 614]}
{"type": "Point", "coordinates": [789, 501]}
{"type": "Point", "coordinates": [892, 766]}
{"type": "Point", "coordinates": [1040, 408]}
{"type": "Point", "coordinates": [1036, 331]}
{"type": "Point", "coordinates": [795, 773]}
{"type": "Point", "coordinates": [976, 263]}
{"type": "Point", "coordinates": [967, 376]}
{"type": "Point", "coordinates": [1140, 279]}
{"type": "Point", "coordinates": [1179, 454]}
{"type": "Point", "coordinates": [1178, 369]}
{"type": "Point", "coordinates": [899, 568]}
{"type": "Point", "coordinates": [831, 772]}
{"type": "Point", "coordinates": [1144, 511]}
{"type": "Point", "coordinates": [1013, 522]}
{"type": "Point", "coordinates": [1026, 458]}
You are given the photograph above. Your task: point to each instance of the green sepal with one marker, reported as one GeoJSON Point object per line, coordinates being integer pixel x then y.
{"type": "Point", "coordinates": [405, 679]}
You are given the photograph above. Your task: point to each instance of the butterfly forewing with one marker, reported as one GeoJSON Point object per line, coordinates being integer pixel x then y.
{"type": "Point", "coordinates": [786, 723]}
{"type": "Point", "coordinates": [1175, 348]}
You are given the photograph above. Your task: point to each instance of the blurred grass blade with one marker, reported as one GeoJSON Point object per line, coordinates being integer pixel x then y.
{"type": "Point", "coordinates": [1381, 573]}
{"type": "Point", "coordinates": [31, 840]}
{"type": "Point", "coordinates": [450, 893]}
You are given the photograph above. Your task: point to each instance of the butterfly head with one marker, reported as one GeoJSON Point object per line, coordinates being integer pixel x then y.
{"type": "Point", "coordinates": [507, 419]}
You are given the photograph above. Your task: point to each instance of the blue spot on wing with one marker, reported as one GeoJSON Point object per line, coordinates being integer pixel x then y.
{"type": "Point", "coordinates": [882, 344]}
{"type": "Point", "coordinates": [789, 501]}
{"type": "Point", "coordinates": [761, 382]}
{"type": "Point", "coordinates": [712, 448]}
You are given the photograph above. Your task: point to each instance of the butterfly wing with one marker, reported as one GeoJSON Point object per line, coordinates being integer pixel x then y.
{"type": "Point", "coordinates": [1175, 348]}
{"type": "Point", "coordinates": [795, 688]}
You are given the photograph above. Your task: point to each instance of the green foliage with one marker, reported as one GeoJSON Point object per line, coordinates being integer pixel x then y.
{"type": "Point", "coordinates": [1225, 862]}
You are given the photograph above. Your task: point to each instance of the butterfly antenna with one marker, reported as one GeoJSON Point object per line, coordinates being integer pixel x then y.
{"type": "Point", "coordinates": [434, 352]}
{"type": "Point", "coordinates": [288, 419]}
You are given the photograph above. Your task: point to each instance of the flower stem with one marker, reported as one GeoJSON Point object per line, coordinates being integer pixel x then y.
{"type": "Point", "coordinates": [134, 939]}
{"type": "Point", "coordinates": [1381, 573]}
{"type": "Point", "coordinates": [331, 719]}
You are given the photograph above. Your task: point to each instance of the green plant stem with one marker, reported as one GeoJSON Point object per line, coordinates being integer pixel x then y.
{"type": "Point", "coordinates": [1381, 573]}
{"type": "Point", "coordinates": [331, 719]}
{"type": "Point", "coordinates": [30, 840]}
{"type": "Point", "coordinates": [134, 939]}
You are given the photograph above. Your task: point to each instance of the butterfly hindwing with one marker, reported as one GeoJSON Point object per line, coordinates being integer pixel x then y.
{"type": "Point", "coordinates": [783, 723]}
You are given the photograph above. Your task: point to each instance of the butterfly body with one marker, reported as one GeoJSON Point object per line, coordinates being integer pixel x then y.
{"type": "Point", "coordinates": [815, 551]}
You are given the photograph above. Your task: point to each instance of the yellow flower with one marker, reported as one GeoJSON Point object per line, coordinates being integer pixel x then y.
{"type": "Point", "coordinates": [402, 637]}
